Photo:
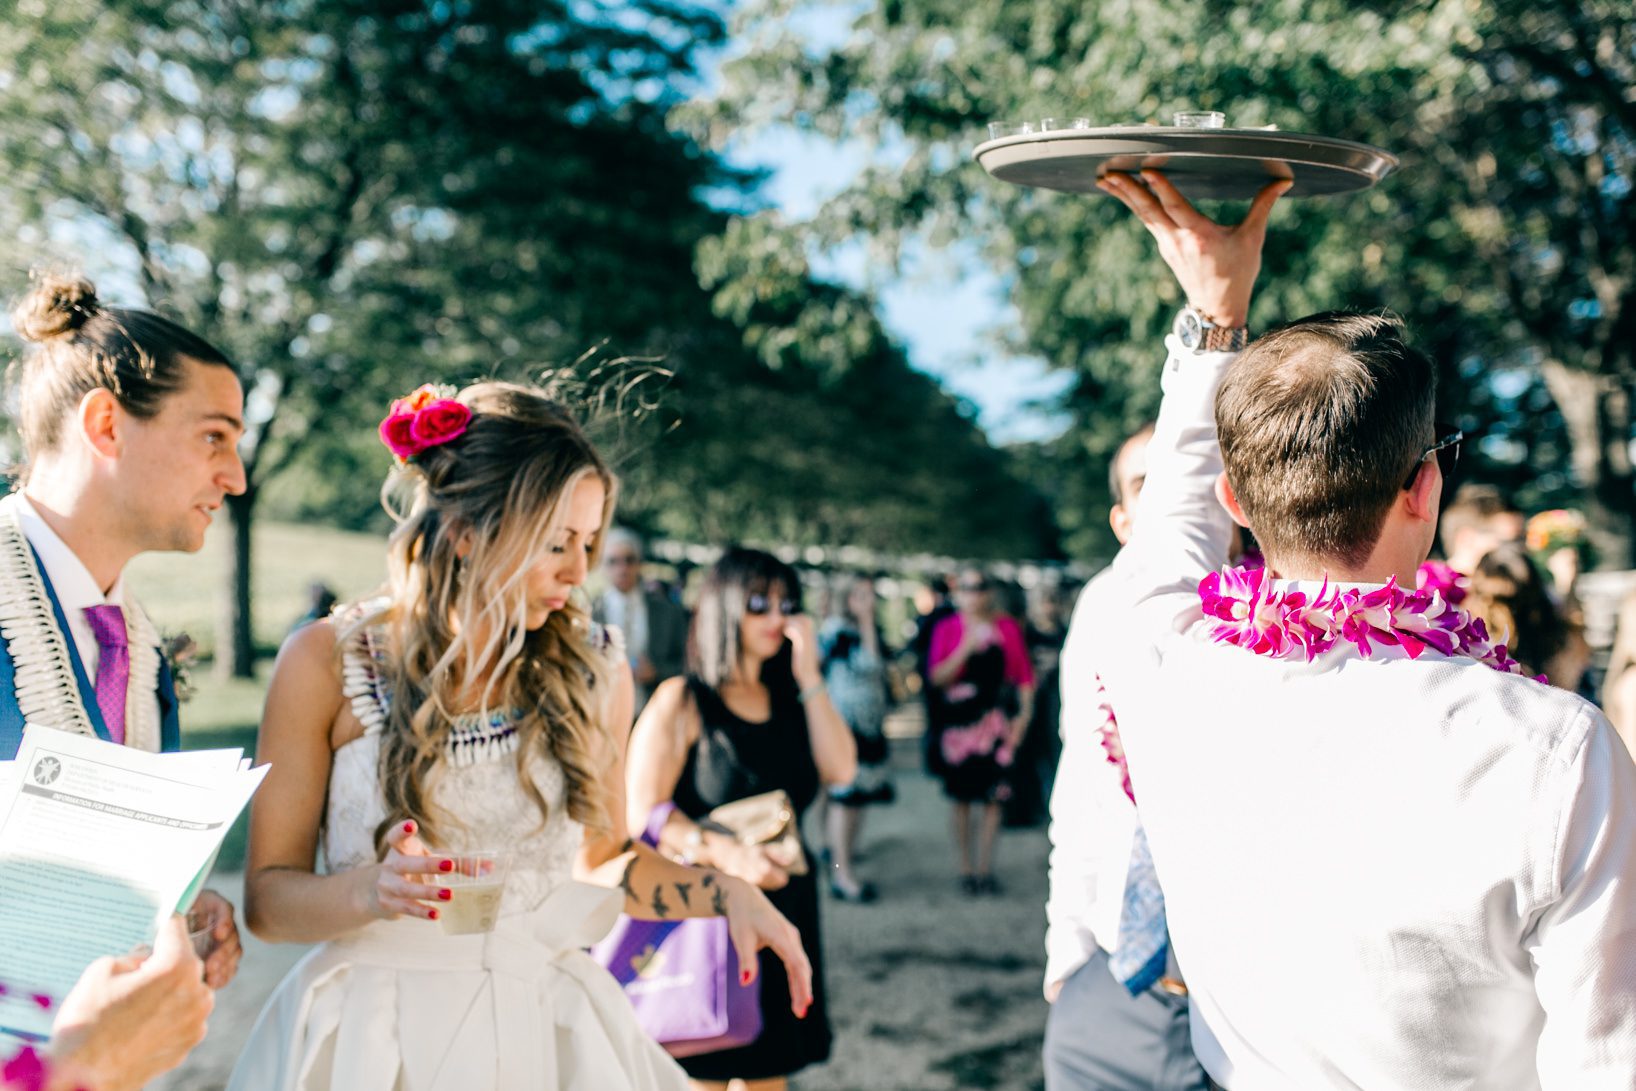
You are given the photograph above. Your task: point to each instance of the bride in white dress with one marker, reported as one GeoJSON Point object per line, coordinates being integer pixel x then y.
{"type": "Point", "coordinates": [474, 706]}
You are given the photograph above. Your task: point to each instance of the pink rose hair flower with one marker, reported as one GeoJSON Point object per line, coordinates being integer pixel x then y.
{"type": "Point", "coordinates": [427, 418]}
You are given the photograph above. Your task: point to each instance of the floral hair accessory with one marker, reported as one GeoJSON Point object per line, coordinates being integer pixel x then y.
{"type": "Point", "coordinates": [1556, 529]}
{"type": "Point", "coordinates": [430, 417]}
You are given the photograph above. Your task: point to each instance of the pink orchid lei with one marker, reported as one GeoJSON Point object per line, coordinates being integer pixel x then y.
{"type": "Point", "coordinates": [430, 417]}
{"type": "Point", "coordinates": [1112, 745]}
{"type": "Point", "coordinates": [1442, 577]}
{"type": "Point", "coordinates": [1253, 614]}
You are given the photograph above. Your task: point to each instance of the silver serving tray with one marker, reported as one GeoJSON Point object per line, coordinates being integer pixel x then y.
{"type": "Point", "coordinates": [1205, 164]}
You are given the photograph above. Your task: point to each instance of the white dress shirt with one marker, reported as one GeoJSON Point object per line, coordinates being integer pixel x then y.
{"type": "Point", "coordinates": [1092, 820]}
{"type": "Point", "coordinates": [76, 588]}
{"type": "Point", "coordinates": [1378, 872]}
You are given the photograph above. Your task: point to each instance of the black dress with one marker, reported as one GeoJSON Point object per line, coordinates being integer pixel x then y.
{"type": "Point", "coordinates": [975, 706]}
{"type": "Point", "coordinates": [734, 759]}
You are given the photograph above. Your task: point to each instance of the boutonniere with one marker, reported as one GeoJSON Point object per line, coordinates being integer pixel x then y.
{"type": "Point", "coordinates": [181, 652]}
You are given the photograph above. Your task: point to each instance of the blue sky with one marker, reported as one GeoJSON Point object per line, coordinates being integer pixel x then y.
{"type": "Point", "coordinates": [945, 307]}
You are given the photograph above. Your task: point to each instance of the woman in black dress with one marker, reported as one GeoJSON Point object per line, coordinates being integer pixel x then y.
{"type": "Point", "coordinates": [751, 716]}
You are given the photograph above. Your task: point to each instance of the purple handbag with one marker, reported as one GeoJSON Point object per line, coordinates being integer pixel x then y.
{"type": "Point", "coordinates": [681, 977]}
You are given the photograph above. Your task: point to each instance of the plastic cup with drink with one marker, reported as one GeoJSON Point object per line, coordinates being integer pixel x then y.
{"type": "Point", "coordinates": [476, 884]}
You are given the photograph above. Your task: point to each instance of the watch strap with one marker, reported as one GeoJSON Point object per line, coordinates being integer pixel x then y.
{"type": "Point", "coordinates": [1225, 339]}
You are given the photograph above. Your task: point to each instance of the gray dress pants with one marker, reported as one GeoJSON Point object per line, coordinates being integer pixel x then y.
{"type": "Point", "coordinates": [1100, 1038]}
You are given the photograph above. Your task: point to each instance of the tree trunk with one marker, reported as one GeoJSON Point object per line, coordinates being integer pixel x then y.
{"type": "Point", "coordinates": [235, 638]}
{"type": "Point", "coordinates": [1597, 410]}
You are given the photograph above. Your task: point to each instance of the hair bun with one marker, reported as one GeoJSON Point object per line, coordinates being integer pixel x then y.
{"type": "Point", "coordinates": [55, 306]}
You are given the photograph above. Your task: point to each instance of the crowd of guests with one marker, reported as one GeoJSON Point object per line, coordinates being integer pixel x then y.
{"type": "Point", "coordinates": [1237, 691]}
{"type": "Point", "coordinates": [478, 715]}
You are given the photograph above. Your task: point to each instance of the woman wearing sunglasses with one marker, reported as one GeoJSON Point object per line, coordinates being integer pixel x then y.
{"type": "Point", "coordinates": [751, 716]}
{"type": "Point", "coordinates": [983, 685]}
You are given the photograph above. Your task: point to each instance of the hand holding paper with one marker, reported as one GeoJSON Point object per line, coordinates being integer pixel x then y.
{"type": "Point", "coordinates": [101, 845]}
{"type": "Point", "coordinates": [129, 1019]}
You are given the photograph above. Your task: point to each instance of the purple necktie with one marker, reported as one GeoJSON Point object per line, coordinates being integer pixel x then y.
{"type": "Point", "coordinates": [114, 666]}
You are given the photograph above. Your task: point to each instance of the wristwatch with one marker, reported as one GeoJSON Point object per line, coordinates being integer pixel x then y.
{"type": "Point", "coordinates": [1199, 333]}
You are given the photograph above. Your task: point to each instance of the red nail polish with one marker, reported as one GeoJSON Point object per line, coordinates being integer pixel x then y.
{"type": "Point", "coordinates": [408, 827]}
{"type": "Point", "coordinates": [445, 865]}
{"type": "Point", "coordinates": [744, 977]}
{"type": "Point", "coordinates": [445, 894]}
{"type": "Point", "coordinates": [431, 914]}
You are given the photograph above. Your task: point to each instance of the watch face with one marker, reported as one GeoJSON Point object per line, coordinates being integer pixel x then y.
{"type": "Point", "coordinates": [1189, 329]}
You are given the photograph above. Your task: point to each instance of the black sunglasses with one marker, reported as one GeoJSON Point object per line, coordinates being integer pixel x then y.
{"type": "Point", "coordinates": [758, 604]}
{"type": "Point", "coordinates": [1447, 451]}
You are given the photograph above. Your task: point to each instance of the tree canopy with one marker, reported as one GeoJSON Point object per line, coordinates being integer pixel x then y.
{"type": "Point", "coordinates": [354, 198]}
{"type": "Point", "coordinates": [1505, 239]}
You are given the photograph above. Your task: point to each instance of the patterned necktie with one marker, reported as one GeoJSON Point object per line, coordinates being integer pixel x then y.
{"type": "Point", "coordinates": [1142, 951]}
{"type": "Point", "coordinates": [1139, 955]}
{"type": "Point", "coordinates": [114, 666]}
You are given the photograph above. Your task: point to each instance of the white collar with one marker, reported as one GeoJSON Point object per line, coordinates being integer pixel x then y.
{"type": "Point", "coordinates": [1314, 587]}
{"type": "Point", "coordinates": [76, 588]}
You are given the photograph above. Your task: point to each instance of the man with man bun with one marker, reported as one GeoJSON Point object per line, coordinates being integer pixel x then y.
{"type": "Point", "coordinates": [130, 425]}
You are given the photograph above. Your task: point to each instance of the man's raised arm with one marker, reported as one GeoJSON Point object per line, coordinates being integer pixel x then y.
{"type": "Point", "coordinates": [1183, 531]}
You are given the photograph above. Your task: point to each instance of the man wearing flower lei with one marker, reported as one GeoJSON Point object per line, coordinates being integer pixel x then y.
{"type": "Point", "coordinates": [1119, 1017]}
{"type": "Point", "coordinates": [1388, 860]}
{"type": "Point", "coordinates": [130, 425]}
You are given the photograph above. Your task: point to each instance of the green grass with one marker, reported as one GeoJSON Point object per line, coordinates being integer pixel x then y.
{"type": "Point", "coordinates": [227, 704]}
{"type": "Point", "coordinates": [183, 592]}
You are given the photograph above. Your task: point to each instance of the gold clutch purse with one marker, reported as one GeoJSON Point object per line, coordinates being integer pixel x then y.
{"type": "Point", "coordinates": [765, 819]}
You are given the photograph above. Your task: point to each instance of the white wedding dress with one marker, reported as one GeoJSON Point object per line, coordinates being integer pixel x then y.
{"type": "Point", "coordinates": [400, 1006]}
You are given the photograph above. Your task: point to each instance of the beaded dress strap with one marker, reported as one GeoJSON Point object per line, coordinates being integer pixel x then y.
{"type": "Point", "coordinates": [474, 737]}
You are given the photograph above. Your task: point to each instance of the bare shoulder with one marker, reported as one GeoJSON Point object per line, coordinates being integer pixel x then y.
{"type": "Point", "coordinates": [670, 710]}
{"type": "Point", "coordinates": [669, 696]}
{"type": "Point", "coordinates": [306, 685]}
{"type": "Point", "coordinates": [310, 652]}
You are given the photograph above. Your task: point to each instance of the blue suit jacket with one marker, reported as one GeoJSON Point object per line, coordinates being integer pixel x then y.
{"type": "Point", "coordinates": [11, 717]}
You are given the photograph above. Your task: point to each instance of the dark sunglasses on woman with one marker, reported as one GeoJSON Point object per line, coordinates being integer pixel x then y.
{"type": "Point", "coordinates": [758, 604]}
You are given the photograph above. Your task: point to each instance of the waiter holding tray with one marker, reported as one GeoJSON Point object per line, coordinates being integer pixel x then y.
{"type": "Point", "coordinates": [1386, 857]}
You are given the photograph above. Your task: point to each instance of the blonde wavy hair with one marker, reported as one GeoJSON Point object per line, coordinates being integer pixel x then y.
{"type": "Point", "coordinates": [473, 516]}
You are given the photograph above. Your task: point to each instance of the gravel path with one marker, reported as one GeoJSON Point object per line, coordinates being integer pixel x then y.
{"type": "Point", "coordinates": [929, 990]}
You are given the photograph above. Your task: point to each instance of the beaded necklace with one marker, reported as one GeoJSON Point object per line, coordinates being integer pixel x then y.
{"type": "Point", "coordinates": [47, 693]}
